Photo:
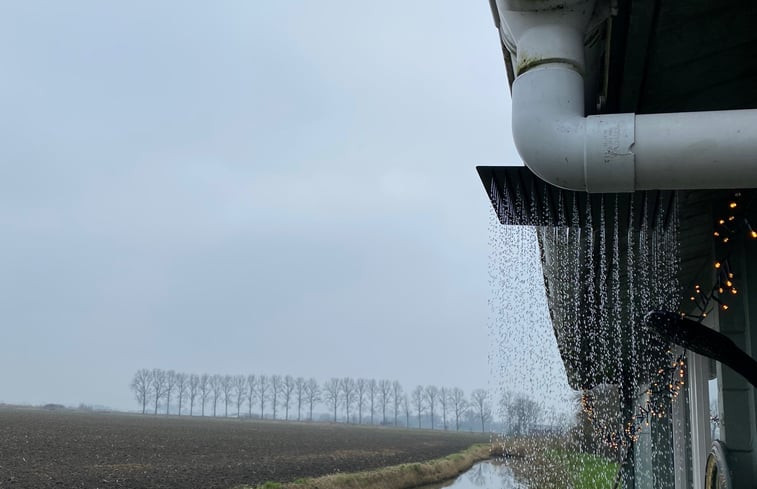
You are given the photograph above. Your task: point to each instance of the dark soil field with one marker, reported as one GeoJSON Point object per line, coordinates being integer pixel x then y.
{"type": "Point", "coordinates": [63, 449]}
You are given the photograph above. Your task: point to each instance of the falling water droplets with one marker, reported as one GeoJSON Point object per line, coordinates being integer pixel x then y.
{"type": "Point", "coordinates": [582, 279]}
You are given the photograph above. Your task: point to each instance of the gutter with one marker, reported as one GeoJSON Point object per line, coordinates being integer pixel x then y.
{"type": "Point", "coordinates": [608, 152]}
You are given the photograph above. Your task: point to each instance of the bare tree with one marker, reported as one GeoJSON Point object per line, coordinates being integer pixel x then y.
{"type": "Point", "coordinates": [406, 405]}
{"type": "Point", "coordinates": [418, 402]}
{"type": "Point", "coordinates": [505, 400]}
{"type": "Point", "coordinates": [312, 394]}
{"type": "Point", "coordinates": [287, 388]}
{"type": "Point", "coordinates": [205, 390]}
{"type": "Point", "coordinates": [216, 388]}
{"type": "Point", "coordinates": [470, 416]}
{"type": "Point", "coordinates": [227, 386]}
{"type": "Point", "coordinates": [331, 390]}
{"type": "Point", "coordinates": [480, 402]}
{"type": "Point", "coordinates": [397, 398]}
{"type": "Point", "coordinates": [432, 395]}
{"type": "Point", "coordinates": [194, 385]}
{"type": "Point", "coordinates": [299, 391]}
{"type": "Point", "coordinates": [348, 394]}
{"type": "Point", "coordinates": [252, 389]}
{"type": "Point", "coordinates": [372, 393]}
{"type": "Point", "coordinates": [141, 387]}
{"type": "Point", "coordinates": [459, 405]}
{"type": "Point", "coordinates": [275, 389]}
{"type": "Point", "coordinates": [182, 381]}
{"type": "Point", "coordinates": [239, 383]}
{"type": "Point", "coordinates": [170, 385]}
{"type": "Point", "coordinates": [262, 392]}
{"type": "Point", "coordinates": [158, 386]}
{"type": "Point", "coordinates": [361, 388]}
{"type": "Point", "coordinates": [523, 414]}
{"type": "Point", "coordinates": [444, 402]}
{"type": "Point", "coordinates": [385, 396]}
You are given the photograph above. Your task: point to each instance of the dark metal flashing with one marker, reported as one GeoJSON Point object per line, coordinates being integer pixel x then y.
{"type": "Point", "coordinates": [495, 12]}
{"type": "Point", "coordinates": [521, 198]}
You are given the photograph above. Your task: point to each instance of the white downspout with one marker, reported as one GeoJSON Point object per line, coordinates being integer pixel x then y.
{"type": "Point", "coordinates": [611, 152]}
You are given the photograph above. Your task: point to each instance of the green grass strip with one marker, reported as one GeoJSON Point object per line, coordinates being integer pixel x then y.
{"type": "Point", "coordinates": [403, 476]}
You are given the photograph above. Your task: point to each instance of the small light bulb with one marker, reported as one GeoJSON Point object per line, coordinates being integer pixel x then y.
{"type": "Point", "coordinates": [717, 264]}
{"type": "Point", "coordinates": [730, 275]}
{"type": "Point", "coordinates": [720, 290]}
{"type": "Point", "coordinates": [716, 234]}
{"type": "Point", "coordinates": [693, 298]}
{"type": "Point", "coordinates": [732, 205]}
{"type": "Point", "coordinates": [729, 283]}
{"type": "Point", "coordinates": [725, 240]}
{"type": "Point", "coordinates": [734, 291]}
{"type": "Point", "coordinates": [721, 222]}
{"type": "Point", "coordinates": [731, 218]}
{"type": "Point", "coordinates": [724, 307]}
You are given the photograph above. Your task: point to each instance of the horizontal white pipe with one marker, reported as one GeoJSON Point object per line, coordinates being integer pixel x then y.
{"type": "Point", "coordinates": [692, 150]}
{"type": "Point", "coordinates": [622, 152]}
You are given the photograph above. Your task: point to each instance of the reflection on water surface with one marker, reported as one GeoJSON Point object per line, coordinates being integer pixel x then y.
{"type": "Point", "coordinates": [488, 474]}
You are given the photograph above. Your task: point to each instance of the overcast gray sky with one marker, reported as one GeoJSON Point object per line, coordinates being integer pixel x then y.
{"type": "Point", "coordinates": [245, 187]}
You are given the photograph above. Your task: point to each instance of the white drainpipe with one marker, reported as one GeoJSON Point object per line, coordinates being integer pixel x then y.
{"type": "Point", "coordinates": [611, 152]}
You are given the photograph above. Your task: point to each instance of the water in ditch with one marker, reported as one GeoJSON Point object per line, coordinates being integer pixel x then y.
{"type": "Point", "coordinates": [489, 474]}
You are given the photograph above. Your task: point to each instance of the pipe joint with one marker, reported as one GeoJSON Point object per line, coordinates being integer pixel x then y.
{"type": "Point", "coordinates": [546, 44]}
{"type": "Point", "coordinates": [609, 159]}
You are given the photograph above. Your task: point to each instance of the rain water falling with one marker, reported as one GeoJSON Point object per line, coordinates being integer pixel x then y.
{"type": "Point", "coordinates": [572, 276]}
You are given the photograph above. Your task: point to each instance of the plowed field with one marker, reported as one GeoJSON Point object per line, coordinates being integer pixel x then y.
{"type": "Point", "coordinates": [62, 449]}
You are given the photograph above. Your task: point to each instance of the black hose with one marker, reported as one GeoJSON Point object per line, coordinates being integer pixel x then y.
{"type": "Point", "coordinates": [699, 338]}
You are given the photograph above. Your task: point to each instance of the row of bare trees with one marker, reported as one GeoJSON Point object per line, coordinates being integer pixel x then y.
{"type": "Point", "coordinates": [357, 400]}
{"type": "Point", "coordinates": [157, 387]}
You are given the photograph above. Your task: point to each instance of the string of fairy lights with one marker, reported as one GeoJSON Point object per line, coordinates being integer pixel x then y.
{"type": "Point", "coordinates": [669, 379]}
{"type": "Point", "coordinates": [728, 226]}
{"type": "Point", "coordinates": [666, 386]}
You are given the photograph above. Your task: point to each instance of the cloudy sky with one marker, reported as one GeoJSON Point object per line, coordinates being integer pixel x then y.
{"type": "Point", "coordinates": [245, 187]}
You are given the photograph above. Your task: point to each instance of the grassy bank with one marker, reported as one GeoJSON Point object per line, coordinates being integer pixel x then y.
{"type": "Point", "coordinates": [549, 463]}
{"type": "Point", "coordinates": [395, 477]}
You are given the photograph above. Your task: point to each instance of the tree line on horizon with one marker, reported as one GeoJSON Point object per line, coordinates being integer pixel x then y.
{"type": "Point", "coordinates": [359, 401]}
